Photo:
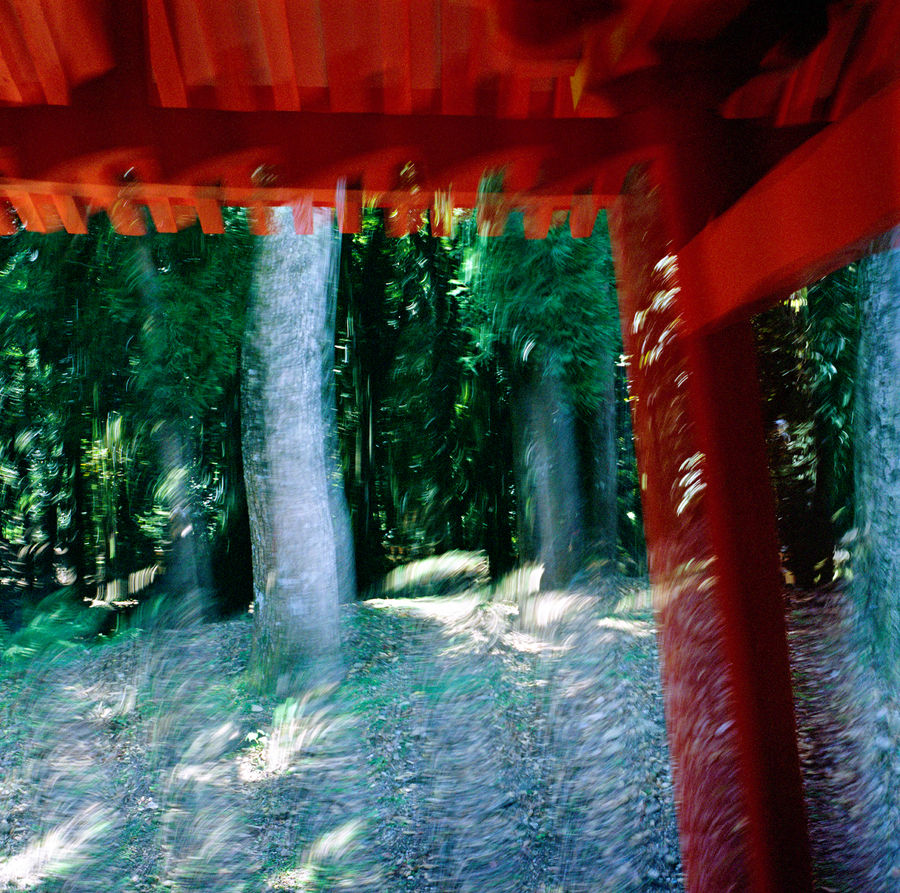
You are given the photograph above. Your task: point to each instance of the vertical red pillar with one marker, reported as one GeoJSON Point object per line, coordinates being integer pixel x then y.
{"type": "Point", "coordinates": [710, 527]}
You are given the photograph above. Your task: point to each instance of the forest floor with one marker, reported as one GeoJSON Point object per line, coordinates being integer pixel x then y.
{"type": "Point", "coordinates": [508, 744]}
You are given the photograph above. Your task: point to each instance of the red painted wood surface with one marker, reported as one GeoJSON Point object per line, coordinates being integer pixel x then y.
{"type": "Point", "coordinates": [713, 559]}
{"type": "Point", "coordinates": [770, 128]}
{"type": "Point", "coordinates": [351, 90]}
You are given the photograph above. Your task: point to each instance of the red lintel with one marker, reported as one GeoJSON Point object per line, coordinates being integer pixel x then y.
{"type": "Point", "coordinates": [813, 213]}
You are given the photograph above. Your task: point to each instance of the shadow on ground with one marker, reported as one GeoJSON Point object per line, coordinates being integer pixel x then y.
{"type": "Point", "coordinates": [503, 741]}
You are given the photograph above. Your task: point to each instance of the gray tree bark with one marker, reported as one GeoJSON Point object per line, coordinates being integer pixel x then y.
{"type": "Point", "coordinates": [876, 580]}
{"type": "Point", "coordinates": [300, 530]}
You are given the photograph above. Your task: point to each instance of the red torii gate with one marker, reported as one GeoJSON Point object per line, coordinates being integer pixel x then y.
{"type": "Point", "coordinates": [743, 148]}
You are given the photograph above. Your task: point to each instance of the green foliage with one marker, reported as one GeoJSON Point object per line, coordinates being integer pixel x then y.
{"type": "Point", "coordinates": [549, 303]}
{"type": "Point", "coordinates": [433, 335]}
{"type": "Point", "coordinates": [58, 624]}
{"type": "Point", "coordinates": [104, 341]}
{"type": "Point", "coordinates": [807, 358]}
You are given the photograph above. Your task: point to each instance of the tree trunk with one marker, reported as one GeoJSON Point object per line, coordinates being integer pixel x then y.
{"type": "Point", "coordinates": [598, 462]}
{"type": "Point", "coordinates": [300, 538]}
{"type": "Point", "coordinates": [876, 580]}
{"type": "Point", "coordinates": [498, 534]}
{"type": "Point", "coordinates": [547, 475]}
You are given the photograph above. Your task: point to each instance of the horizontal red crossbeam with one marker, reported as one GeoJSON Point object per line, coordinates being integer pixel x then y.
{"type": "Point", "coordinates": [813, 213]}
{"type": "Point", "coordinates": [96, 155]}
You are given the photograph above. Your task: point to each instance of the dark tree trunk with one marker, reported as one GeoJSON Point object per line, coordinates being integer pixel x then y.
{"type": "Point", "coordinates": [76, 552]}
{"type": "Point", "coordinates": [443, 385]}
{"type": "Point", "coordinates": [370, 352]}
{"type": "Point", "coordinates": [597, 445]}
{"type": "Point", "coordinates": [497, 464]}
{"type": "Point", "coordinates": [547, 475]}
{"type": "Point", "coordinates": [300, 541]}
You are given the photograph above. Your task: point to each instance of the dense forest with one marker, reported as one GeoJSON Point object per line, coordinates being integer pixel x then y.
{"type": "Point", "coordinates": [196, 426]}
{"type": "Point", "coordinates": [476, 402]}
{"type": "Point", "coordinates": [473, 380]}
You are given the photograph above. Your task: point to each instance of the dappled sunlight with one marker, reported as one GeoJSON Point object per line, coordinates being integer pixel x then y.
{"type": "Point", "coordinates": [442, 609]}
{"type": "Point", "coordinates": [547, 609]}
{"type": "Point", "coordinates": [450, 572]}
{"type": "Point", "coordinates": [57, 852]}
{"type": "Point", "coordinates": [638, 628]}
{"type": "Point", "coordinates": [471, 739]}
{"type": "Point", "coordinates": [296, 726]}
{"type": "Point", "coordinates": [523, 581]}
{"type": "Point", "coordinates": [334, 844]}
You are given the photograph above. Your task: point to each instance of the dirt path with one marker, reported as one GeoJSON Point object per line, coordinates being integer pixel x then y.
{"type": "Point", "coordinates": [849, 738]}
{"type": "Point", "coordinates": [471, 747]}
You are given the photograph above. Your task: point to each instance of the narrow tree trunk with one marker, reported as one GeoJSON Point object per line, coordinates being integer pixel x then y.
{"type": "Point", "coordinates": [876, 581]}
{"type": "Point", "coordinates": [598, 463]}
{"type": "Point", "coordinates": [188, 578]}
{"type": "Point", "coordinates": [523, 473]}
{"type": "Point", "coordinates": [497, 463]}
{"type": "Point", "coordinates": [547, 476]}
{"type": "Point", "coordinates": [300, 541]}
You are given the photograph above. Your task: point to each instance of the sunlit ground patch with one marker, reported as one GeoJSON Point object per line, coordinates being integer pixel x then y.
{"type": "Point", "coordinates": [327, 864]}
{"type": "Point", "coordinates": [640, 629]}
{"type": "Point", "coordinates": [57, 852]}
{"type": "Point", "coordinates": [443, 574]}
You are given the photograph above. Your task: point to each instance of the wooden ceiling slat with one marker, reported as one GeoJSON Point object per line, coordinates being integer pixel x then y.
{"type": "Point", "coordinates": [279, 54]}
{"type": "Point", "coordinates": [126, 218]}
{"type": "Point", "coordinates": [9, 90]}
{"type": "Point", "coordinates": [350, 33]}
{"type": "Point", "coordinates": [8, 224]}
{"type": "Point", "coordinates": [210, 215]}
{"type": "Point", "coordinates": [71, 213]}
{"type": "Point", "coordinates": [515, 96]}
{"type": "Point", "coordinates": [583, 216]}
{"type": "Point", "coordinates": [304, 222]}
{"type": "Point", "coordinates": [563, 100]}
{"type": "Point", "coordinates": [425, 62]}
{"type": "Point", "coordinates": [456, 93]}
{"type": "Point", "coordinates": [232, 53]}
{"type": "Point", "coordinates": [23, 80]}
{"type": "Point", "coordinates": [163, 215]}
{"type": "Point", "coordinates": [790, 91]}
{"type": "Point", "coordinates": [28, 211]}
{"type": "Point", "coordinates": [195, 49]}
{"type": "Point", "coordinates": [307, 44]}
{"type": "Point", "coordinates": [348, 210]}
{"type": "Point", "coordinates": [441, 214]}
{"type": "Point", "coordinates": [536, 220]}
{"type": "Point", "coordinates": [395, 55]}
{"type": "Point", "coordinates": [260, 218]}
{"type": "Point", "coordinates": [43, 51]}
{"type": "Point", "coordinates": [82, 34]}
{"type": "Point", "coordinates": [491, 214]}
{"type": "Point", "coordinates": [875, 61]}
{"type": "Point", "coordinates": [164, 64]}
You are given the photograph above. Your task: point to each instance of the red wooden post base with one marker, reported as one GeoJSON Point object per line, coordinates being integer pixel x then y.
{"type": "Point", "coordinates": [713, 557]}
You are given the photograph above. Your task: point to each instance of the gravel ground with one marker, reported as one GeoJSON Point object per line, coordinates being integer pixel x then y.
{"type": "Point", "coordinates": [508, 745]}
{"type": "Point", "coordinates": [849, 737]}
{"type": "Point", "coordinates": [471, 746]}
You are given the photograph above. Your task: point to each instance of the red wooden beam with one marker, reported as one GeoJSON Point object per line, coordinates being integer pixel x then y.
{"type": "Point", "coordinates": [813, 213]}
{"type": "Point", "coordinates": [43, 51]}
{"type": "Point", "coordinates": [312, 150]}
{"type": "Point", "coordinates": [163, 55]}
{"type": "Point", "coordinates": [713, 558]}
